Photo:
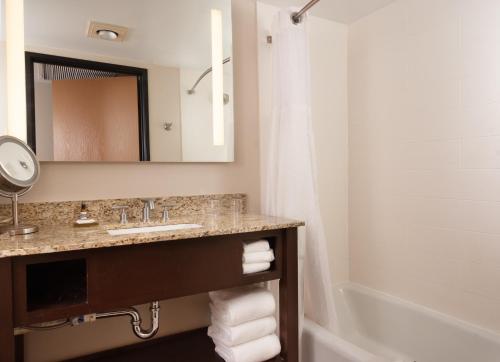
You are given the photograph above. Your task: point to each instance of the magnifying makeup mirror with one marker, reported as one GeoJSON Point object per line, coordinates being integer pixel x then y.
{"type": "Point", "coordinates": [19, 171]}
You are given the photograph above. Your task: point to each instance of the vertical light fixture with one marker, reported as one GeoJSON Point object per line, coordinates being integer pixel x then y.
{"type": "Point", "coordinates": [217, 78]}
{"type": "Point", "coordinates": [16, 91]}
{"type": "Point", "coordinates": [3, 73]}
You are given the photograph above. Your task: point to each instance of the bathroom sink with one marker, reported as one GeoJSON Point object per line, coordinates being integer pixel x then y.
{"type": "Point", "coordinates": [152, 229]}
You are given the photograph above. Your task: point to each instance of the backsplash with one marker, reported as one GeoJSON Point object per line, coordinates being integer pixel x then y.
{"type": "Point", "coordinates": [66, 212]}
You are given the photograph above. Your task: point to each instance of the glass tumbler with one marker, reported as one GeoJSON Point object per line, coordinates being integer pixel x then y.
{"type": "Point", "coordinates": [237, 206]}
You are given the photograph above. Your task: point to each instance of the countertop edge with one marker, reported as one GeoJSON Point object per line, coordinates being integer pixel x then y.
{"type": "Point", "coordinates": [139, 239]}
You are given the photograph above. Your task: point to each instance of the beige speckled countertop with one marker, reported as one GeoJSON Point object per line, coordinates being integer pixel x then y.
{"type": "Point", "coordinates": [53, 239]}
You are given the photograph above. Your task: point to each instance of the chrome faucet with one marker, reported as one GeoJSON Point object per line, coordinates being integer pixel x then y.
{"type": "Point", "coordinates": [149, 204]}
{"type": "Point", "coordinates": [165, 216]}
{"type": "Point", "coordinates": [123, 213]}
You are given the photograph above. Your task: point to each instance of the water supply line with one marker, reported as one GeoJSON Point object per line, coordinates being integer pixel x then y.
{"type": "Point", "coordinates": [135, 320]}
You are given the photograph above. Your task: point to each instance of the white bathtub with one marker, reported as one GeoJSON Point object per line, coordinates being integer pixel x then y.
{"type": "Point", "coordinates": [377, 327]}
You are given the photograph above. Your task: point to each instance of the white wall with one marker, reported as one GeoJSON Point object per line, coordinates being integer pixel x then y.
{"type": "Point", "coordinates": [328, 47]}
{"type": "Point", "coordinates": [424, 79]}
{"type": "Point", "coordinates": [3, 81]}
{"type": "Point", "coordinates": [14, 69]}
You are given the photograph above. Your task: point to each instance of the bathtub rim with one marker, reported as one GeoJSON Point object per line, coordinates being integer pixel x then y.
{"type": "Point", "coordinates": [342, 346]}
{"type": "Point", "coordinates": [466, 326]}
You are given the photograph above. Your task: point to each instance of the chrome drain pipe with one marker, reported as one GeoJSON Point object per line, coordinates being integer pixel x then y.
{"type": "Point", "coordinates": [136, 320]}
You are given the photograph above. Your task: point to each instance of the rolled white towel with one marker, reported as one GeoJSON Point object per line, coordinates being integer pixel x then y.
{"type": "Point", "coordinates": [258, 257]}
{"type": "Point", "coordinates": [261, 245]}
{"type": "Point", "coordinates": [259, 350]}
{"type": "Point", "coordinates": [255, 267]}
{"type": "Point", "coordinates": [243, 333]}
{"type": "Point", "coordinates": [242, 305]}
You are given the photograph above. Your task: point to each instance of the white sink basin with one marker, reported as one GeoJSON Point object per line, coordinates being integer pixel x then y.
{"type": "Point", "coordinates": [152, 229]}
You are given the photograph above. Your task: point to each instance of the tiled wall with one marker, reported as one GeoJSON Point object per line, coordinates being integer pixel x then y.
{"type": "Point", "coordinates": [424, 79]}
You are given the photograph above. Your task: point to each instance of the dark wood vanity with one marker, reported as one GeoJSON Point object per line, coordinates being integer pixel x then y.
{"type": "Point", "coordinates": [50, 286]}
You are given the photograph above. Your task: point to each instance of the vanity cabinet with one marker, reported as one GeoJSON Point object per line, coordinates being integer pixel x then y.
{"type": "Point", "coordinates": [47, 287]}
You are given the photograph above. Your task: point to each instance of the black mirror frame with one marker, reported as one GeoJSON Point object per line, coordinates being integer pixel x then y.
{"type": "Point", "coordinates": [142, 92]}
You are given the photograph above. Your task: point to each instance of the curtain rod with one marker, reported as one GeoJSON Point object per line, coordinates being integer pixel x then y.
{"type": "Point", "coordinates": [204, 74]}
{"type": "Point", "coordinates": [297, 17]}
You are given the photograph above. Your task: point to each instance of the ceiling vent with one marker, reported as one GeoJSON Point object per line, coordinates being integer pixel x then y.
{"type": "Point", "coordinates": [48, 72]}
{"type": "Point", "coordinates": [106, 31]}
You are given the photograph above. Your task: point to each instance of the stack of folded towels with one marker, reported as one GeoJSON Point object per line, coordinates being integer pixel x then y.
{"type": "Point", "coordinates": [257, 256]}
{"type": "Point", "coordinates": [243, 325]}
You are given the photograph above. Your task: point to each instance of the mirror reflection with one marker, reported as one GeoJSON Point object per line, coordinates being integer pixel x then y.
{"type": "Point", "coordinates": [114, 80]}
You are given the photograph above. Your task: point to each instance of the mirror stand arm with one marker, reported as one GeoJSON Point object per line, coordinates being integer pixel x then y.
{"type": "Point", "coordinates": [15, 198]}
{"type": "Point", "coordinates": [15, 216]}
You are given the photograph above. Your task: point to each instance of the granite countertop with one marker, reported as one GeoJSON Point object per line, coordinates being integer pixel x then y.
{"type": "Point", "coordinates": [53, 239]}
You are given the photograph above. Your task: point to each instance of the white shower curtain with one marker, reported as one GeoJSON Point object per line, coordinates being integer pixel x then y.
{"type": "Point", "coordinates": [289, 177]}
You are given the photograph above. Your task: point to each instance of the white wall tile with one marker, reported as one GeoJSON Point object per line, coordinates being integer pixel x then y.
{"type": "Point", "coordinates": [470, 184]}
{"type": "Point", "coordinates": [424, 124]}
{"type": "Point", "coordinates": [481, 152]}
{"type": "Point", "coordinates": [481, 121]}
{"type": "Point", "coordinates": [430, 155]}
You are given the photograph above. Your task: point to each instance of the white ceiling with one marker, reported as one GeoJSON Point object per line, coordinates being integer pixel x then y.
{"type": "Point", "coordinates": [344, 11]}
{"type": "Point", "coordinates": [166, 32]}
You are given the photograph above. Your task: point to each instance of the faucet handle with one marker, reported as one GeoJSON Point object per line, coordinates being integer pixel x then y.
{"type": "Point", "coordinates": [123, 214]}
{"type": "Point", "coordinates": [149, 203]}
{"type": "Point", "coordinates": [165, 216]}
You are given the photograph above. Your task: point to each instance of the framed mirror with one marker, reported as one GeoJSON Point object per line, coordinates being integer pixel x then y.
{"type": "Point", "coordinates": [128, 80]}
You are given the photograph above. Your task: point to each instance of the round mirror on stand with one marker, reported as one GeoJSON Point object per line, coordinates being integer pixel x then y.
{"type": "Point", "coordinates": [19, 171]}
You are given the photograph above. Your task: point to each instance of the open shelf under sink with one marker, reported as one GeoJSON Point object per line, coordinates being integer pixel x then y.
{"type": "Point", "coordinates": [192, 346]}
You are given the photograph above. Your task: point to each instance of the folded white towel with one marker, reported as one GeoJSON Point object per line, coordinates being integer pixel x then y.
{"type": "Point", "coordinates": [258, 257]}
{"type": "Point", "coordinates": [261, 245]}
{"type": "Point", "coordinates": [221, 295]}
{"type": "Point", "coordinates": [241, 305]}
{"type": "Point", "coordinates": [246, 332]}
{"type": "Point", "coordinates": [259, 350]}
{"type": "Point", "coordinates": [255, 267]}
